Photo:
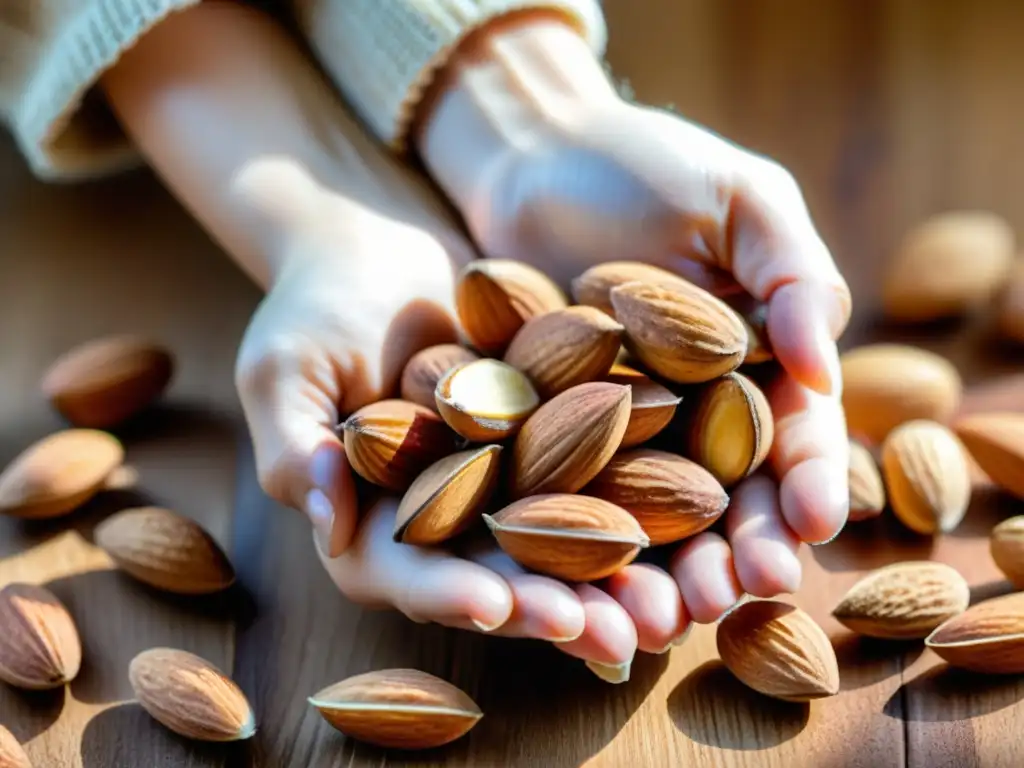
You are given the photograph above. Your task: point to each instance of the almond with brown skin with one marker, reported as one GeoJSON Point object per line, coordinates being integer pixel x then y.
{"type": "Point", "coordinates": [593, 288]}
{"type": "Point", "coordinates": [867, 491]}
{"type": "Point", "coordinates": [569, 439]}
{"type": "Point", "coordinates": [754, 315]}
{"type": "Point", "coordinates": [996, 442]}
{"type": "Point", "coordinates": [1006, 544]}
{"type": "Point", "coordinates": [485, 400]}
{"type": "Point", "coordinates": [988, 637]}
{"type": "Point", "coordinates": [39, 644]}
{"type": "Point", "coordinates": [11, 753]}
{"type": "Point", "coordinates": [671, 497]}
{"type": "Point", "coordinates": [652, 406]}
{"type": "Point", "coordinates": [425, 369]}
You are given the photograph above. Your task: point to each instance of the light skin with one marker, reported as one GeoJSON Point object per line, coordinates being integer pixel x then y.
{"type": "Point", "coordinates": [524, 135]}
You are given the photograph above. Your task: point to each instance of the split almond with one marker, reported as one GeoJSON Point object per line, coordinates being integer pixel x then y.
{"type": "Point", "coordinates": [494, 297]}
{"type": "Point", "coordinates": [593, 288]}
{"type": "Point", "coordinates": [996, 442]}
{"type": "Point", "coordinates": [104, 382]}
{"type": "Point", "coordinates": [564, 348]}
{"type": "Point", "coordinates": [903, 601]}
{"type": "Point", "coordinates": [569, 439]}
{"type": "Point", "coordinates": [1006, 544]}
{"type": "Point", "coordinates": [190, 696]}
{"type": "Point", "coordinates": [425, 369]}
{"type": "Point", "coordinates": [39, 644]}
{"type": "Point", "coordinates": [398, 709]}
{"type": "Point", "coordinates": [570, 537]}
{"type": "Point", "coordinates": [680, 331]}
{"type": "Point", "coordinates": [652, 406]}
{"type": "Point", "coordinates": [11, 753]}
{"type": "Point", "coordinates": [1010, 312]}
{"type": "Point", "coordinates": [165, 550]}
{"type": "Point", "coordinates": [867, 491]}
{"type": "Point", "coordinates": [779, 651]}
{"type": "Point", "coordinates": [671, 497]}
{"type": "Point", "coordinates": [59, 473]}
{"type": "Point", "coordinates": [988, 637]}
{"type": "Point", "coordinates": [927, 477]}
{"type": "Point", "coordinates": [448, 496]}
{"type": "Point", "coordinates": [390, 442]}
{"type": "Point", "coordinates": [485, 400]}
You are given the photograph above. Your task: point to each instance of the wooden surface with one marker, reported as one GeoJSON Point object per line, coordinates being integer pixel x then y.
{"type": "Point", "coordinates": [886, 112]}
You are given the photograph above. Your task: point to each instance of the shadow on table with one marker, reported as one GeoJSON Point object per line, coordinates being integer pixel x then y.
{"type": "Point", "coordinates": [946, 694]}
{"type": "Point", "coordinates": [870, 544]}
{"type": "Point", "coordinates": [864, 661]}
{"type": "Point", "coordinates": [27, 714]}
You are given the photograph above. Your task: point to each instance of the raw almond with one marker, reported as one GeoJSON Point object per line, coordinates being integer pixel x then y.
{"type": "Point", "coordinates": [778, 650]}
{"type": "Point", "coordinates": [448, 496]}
{"type": "Point", "coordinates": [948, 265]}
{"type": "Point", "coordinates": [652, 406]}
{"type": "Point", "coordinates": [11, 753]}
{"type": "Point", "coordinates": [1007, 547]}
{"type": "Point", "coordinates": [996, 442]}
{"type": "Point", "coordinates": [165, 550]}
{"type": "Point", "coordinates": [885, 385]}
{"type": "Point", "coordinates": [564, 348]}
{"type": "Point", "coordinates": [867, 491]}
{"type": "Point", "coordinates": [903, 601]}
{"type": "Point", "coordinates": [494, 297]}
{"type": "Point", "coordinates": [59, 473]}
{"type": "Point", "coordinates": [569, 439]}
{"type": "Point", "coordinates": [927, 477]}
{"type": "Point", "coordinates": [398, 709]}
{"type": "Point", "coordinates": [485, 400]}
{"type": "Point", "coordinates": [671, 497]}
{"type": "Point", "coordinates": [1010, 311]}
{"type": "Point", "coordinates": [39, 644]}
{"type": "Point", "coordinates": [390, 442]}
{"type": "Point", "coordinates": [593, 288]}
{"type": "Point", "coordinates": [104, 382]}
{"type": "Point", "coordinates": [570, 537]}
{"type": "Point", "coordinates": [425, 369]}
{"type": "Point", "coordinates": [987, 637]}
{"type": "Point", "coordinates": [190, 696]}
{"type": "Point", "coordinates": [680, 331]}
{"type": "Point", "coordinates": [754, 315]}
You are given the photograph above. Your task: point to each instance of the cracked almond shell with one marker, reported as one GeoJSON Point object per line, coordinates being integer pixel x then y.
{"type": "Point", "coordinates": [867, 491]}
{"type": "Point", "coordinates": [425, 369]}
{"type": "Point", "coordinates": [485, 400]}
{"type": "Point", "coordinates": [652, 406]}
{"type": "Point", "coordinates": [995, 441]}
{"type": "Point", "coordinates": [39, 644]}
{"type": "Point", "coordinates": [988, 637]}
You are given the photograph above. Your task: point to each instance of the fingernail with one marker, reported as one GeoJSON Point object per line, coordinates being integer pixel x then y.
{"type": "Point", "coordinates": [676, 641]}
{"type": "Point", "coordinates": [611, 673]}
{"type": "Point", "coordinates": [321, 515]}
{"type": "Point", "coordinates": [483, 627]}
{"type": "Point", "coordinates": [837, 310]}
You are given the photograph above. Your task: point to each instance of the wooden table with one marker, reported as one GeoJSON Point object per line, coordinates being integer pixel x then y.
{"type": "Point", "coordinates": [886, 112]}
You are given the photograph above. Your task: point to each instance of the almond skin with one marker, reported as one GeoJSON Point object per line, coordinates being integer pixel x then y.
{"type": "Point", "coordinates": [570, 537]}
{"type": "Point", "coordinates": [165, 550]}
{"type": "Point", "coordinates": [1010, 311]}
{"type": "Point", "coordinates": [485, 400]}
{"type": "Point", "coordinates": [59, 473]}
{"type": "Point", "coordinates": [671, 497]}
{"type": "Point", "coordinates": [927, 477]}
{"type": "Point", "coordinates": [867, 491]}
{"type": "Point", "coordinates": [652, 406]}
{"type": "Point", "coordinates": [1007, 547]}
{"type": "Point", "coordinates": [190, 696]}
{"type": "Point", "coordinates": [11, 753]}
{"type": "Point", "coordinates": [779, 651]}
{"type": "Point", "coordinates": [593, 288]}
{"type": "Point", "coordinates": [988, 637]}
{"type": "Point", "coordinates": [398, 709]}
{"type": "Point", "coordinates": [569, 439]}
{"type": "Point", "coordinates": [388, 443]}
{"type": "Point", "coordinates": [104, 382]}
{"type": "Point", "coordinates": [39, 644]}
{"type": "Point", "coordinates": [680, 331]}
{"type": "Point", "coordinates": [904, 601]}
{"type": "Point", "coordinates": [425, 369]}
{"type": "Point", "coordinates": [996, 442]}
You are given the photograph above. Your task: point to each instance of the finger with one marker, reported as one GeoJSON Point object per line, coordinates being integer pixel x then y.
{"type": "Point", "coordinates": [651, 598]}
{"type": "Point", "coordinates": [810, 455]}
{"type": "Point", "coordinates": [609, 641]}
{"type": "Point", "coordinates": [703, 568]}
{"type": "Point", "coordinates": [764, 549]}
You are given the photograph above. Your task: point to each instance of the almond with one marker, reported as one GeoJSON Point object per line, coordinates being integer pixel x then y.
{"type": "Point", "coordinates": [885, 385]}
{"type": "Point", "coordinates": [485, 400]}
{"type": "Point", "coordinates": [680, 331]}
{"type": "Point", "coordinates": [11, 753]}
{"type": "Point", "coordinates": [948, 265]}
{"type": "Point", "coordinates": [425, 369]}
{"type": "Point", "coordinates": [867, 491]}
{"type": "Point", "coordinates": [39, 643]}
{"type": "Point", "coordinates": [398, 709]}
{"type": "Point", "coordinates": [996, 442]}
{"type": "Point", "coordinates": [987, 637]}
{"type": "Point", "coordinates": [903, 601]}
{"type": "Point", "coordinates": [754, 315]}
{"type": "Point", "coordinates": [190, 696]}
{"type": "Point", "coordinates": [729, 428]}
{"type": "Point", "coordinates": [494, 297]}
{"type": "Point", "coordinates": [564, 348]}
{"type": "Point", "coordinates": [390, 442]}
{"type": "Point", "coordinates": [671, 497]}
{"type": "Point", "coordinates": [570, 537]}
{"type": "Point", "coordinates": [593, 288]}
{"type": "Point", "coordinates": [652, 406]}
{"type": "Point", "coordinates": [927, 477]}
{"type": "Point", "coordinates": [165, 550]}
{"type": "Point", "coordinates": [59, 473]}
{"type": "Point", "coordinates": [1010, 310]}
{"type": "Point", "coordinates": [1007, 547]}
{"type": "Point", "coordinates": [102, 383]}
{"type": "Point", "coordinates": [448, 496]}
{"type": "Point", "coordinates": [779, 651]}
{"type": "Point", "coordinates": [569, 439]}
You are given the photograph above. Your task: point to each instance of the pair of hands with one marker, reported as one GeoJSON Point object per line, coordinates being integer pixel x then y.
{"type": "Point", "coordinates": [365, 285]}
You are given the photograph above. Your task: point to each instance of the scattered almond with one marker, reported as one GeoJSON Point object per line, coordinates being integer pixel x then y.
{"type": "Point", "coordinates": [988, 637]}
{"type": "Point", "coordinates": [398, 709]}
{"type": "Point", "coordinates": [39, 644]}
{"type": "Point", "coordinates": [1010, 311]}
{"type": "Point", "coordinates": [485, 400]}
{"type": "Point", "coordinates": [652, 406]}
{"type": "Point", "coordinates": [570, 537]}
{"type": "Point", "coordinates": [593, 288]}
{"type": "Point", "coordinates": [779, 651]}
{"type": "Point", "coordinates": [996, 442]}
{"type": "Point", "coordinates": [425, 369]}
{"type": "Point", "coordinates": [867, 491]}
{"type": "Point", "coordinates": [11, 753]}
{"type": "Point", "coordinates": [1007, 547]}
{"type": "Point", "coordinates": [165, 550]}
{"type": "Point", "coordinates": [190, 696]}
